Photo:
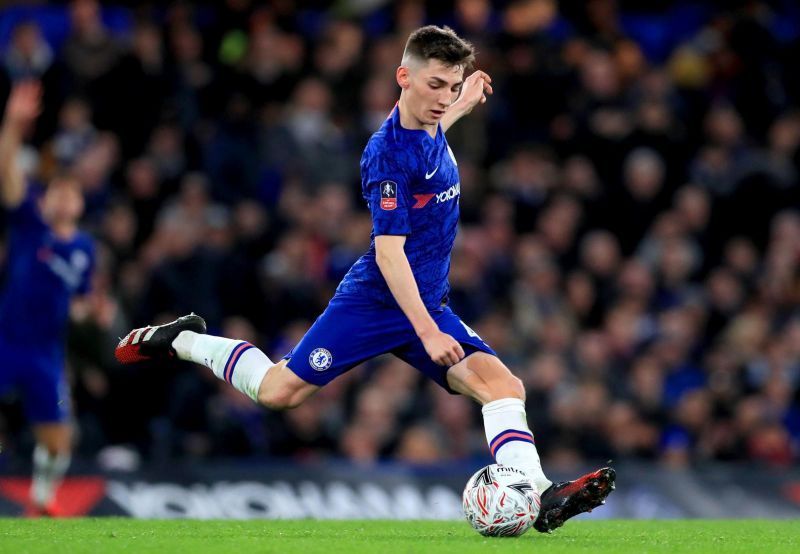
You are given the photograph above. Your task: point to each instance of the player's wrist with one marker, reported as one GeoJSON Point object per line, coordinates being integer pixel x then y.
{"type": "Point", "coordinates": [427, 330]}
{"type": "Point", "coordinates": [459, 108]}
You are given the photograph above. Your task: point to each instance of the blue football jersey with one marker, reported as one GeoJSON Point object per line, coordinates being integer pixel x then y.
{"type": "Point", "coordinates": [410, 182]}
{"type": "Point", "coordinates": [43, 272]}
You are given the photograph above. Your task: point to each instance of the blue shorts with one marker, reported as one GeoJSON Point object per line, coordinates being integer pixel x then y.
{"type": "Point", "coordinates": [351, 331]}
{"type": "Point", "coordinates": [37, 374]}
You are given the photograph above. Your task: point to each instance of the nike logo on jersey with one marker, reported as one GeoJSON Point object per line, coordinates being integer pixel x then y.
{"type": "Point", "coordinates": [431, 174]}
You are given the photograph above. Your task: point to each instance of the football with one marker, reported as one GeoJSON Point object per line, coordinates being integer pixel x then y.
{"type": "Point", "coordinates": [500, 501]}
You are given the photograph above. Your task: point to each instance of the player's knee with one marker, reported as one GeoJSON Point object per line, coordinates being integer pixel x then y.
{"type": "Point", "coordinates": [56, 438]}
{"type": "Point", "coordinates": [518, 388]}
{"type": "Point", "coordinates": [508, 387]}
{"type": "Point", "coordinates": [279, 399]}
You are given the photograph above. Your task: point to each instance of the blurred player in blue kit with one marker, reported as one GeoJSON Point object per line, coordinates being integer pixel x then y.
{"type": "Point", "coordinates": [394, 298]}
{"type": "Point", "coordinates": [49, 261]}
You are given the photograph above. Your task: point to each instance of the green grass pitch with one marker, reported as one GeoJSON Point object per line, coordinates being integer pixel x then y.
{"type": "Point", "coordinates": [377, 537]}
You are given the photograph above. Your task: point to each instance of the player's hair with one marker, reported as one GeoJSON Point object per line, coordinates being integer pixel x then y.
{"type": "Point", "coordinates": [439, 43]}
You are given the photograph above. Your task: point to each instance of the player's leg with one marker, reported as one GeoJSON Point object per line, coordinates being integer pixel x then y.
{"type": "Point", "coordinates": [482, 376]}
{"type": "Point", "coordinates": [246, 368]}
{"type": "Point", "coordinates": [51, 458]}
{"type": "Point", "coordinates": [282, 389]}
{"type": "Point", "coordinates": [485, 378]}
{"type": "Point", "coordinates": [346, 334]}
{"type": "Point", "coordinates": [47, 408]}
{"type": "Point", "coordinates": [236, 362]}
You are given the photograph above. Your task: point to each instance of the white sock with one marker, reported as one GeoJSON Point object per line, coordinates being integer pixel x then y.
{"type": "Point", "coordinates": [510, 440]}
{"type": "Point", "coordinates": [236, 362]}
{"type": "Point", "coordinates": [48, 470]}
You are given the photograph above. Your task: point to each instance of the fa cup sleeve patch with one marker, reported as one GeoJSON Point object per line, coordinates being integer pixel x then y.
{"type": "Point", "coordinates": [388, 195]}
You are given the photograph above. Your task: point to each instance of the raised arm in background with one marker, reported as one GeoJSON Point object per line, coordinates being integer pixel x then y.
{"type": "Point", "coordinates": [22, 108]}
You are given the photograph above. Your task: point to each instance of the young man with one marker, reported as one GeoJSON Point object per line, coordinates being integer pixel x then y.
{"type": "Point", "coordinates": [49, 261]}
{"type": "Point", "coordinates": [394, 298]}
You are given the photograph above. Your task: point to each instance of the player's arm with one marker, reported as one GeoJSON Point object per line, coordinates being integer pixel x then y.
{"type": "Point", "coordinates": [473, 92]}
{"type": "Point", "coordinates": [22, 108]}
{"type": "Point", "coordinates": [393, 263]}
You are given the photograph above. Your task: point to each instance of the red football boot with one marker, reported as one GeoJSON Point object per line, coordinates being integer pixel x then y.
{"type": "Point", "coordinates": [155, 343]}
{"type": "Point", "coordinates": [562, 501]}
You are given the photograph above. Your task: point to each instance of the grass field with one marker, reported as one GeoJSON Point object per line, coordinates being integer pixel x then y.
{"type": "Point", "coordinates": [377, 537]}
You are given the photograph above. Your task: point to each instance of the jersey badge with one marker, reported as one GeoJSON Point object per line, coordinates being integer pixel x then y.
{"type": "Point", "coordinates": [388, 195]}
{"type": "Point", "coordinates": [320, 359]}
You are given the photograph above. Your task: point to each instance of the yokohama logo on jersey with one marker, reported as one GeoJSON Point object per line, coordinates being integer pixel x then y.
{"type": "Point", "coordinates": [449, 194]}
{"type": "Point", "coordinates": [423, 199]}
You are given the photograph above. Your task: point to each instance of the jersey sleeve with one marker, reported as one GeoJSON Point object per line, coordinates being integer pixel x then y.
{"type": "Point", "coordinates": [386, 186]}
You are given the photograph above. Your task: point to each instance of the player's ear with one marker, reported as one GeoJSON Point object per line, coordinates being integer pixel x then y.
{"type": "Point", "coordinates": [403, 77]}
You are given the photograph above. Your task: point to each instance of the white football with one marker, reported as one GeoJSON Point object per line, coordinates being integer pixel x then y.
{"type": "Point", "coordinates": [501, 501]}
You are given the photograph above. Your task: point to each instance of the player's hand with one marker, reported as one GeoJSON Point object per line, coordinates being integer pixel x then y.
{"type": "Point", "coordinates": [475, 89]}
{"type": "Point", "coordinates": [442, 348]}
{"type": "Point", "coordinates": [24, 103]}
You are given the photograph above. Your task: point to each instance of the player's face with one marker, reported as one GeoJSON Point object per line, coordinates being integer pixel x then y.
{"type": "Point", "coordinates": [433, 87]}
{"type": "Point", "coordinates": [63, 202]}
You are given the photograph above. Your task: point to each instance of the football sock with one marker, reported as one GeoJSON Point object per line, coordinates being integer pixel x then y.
{"type": "Point", "coordinates": [48, 470]}
{"type": "Point", "coordinates": [510, 440]}
{"type": "Point", "coordinates": [236, 362]}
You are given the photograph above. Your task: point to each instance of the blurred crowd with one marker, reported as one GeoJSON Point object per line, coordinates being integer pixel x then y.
{"type": "Point", "coordinates": [629, 242]}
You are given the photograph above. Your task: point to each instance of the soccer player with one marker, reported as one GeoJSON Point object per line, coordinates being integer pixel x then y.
{"type": "Point", "coordinates": [49, 262]}
{"type": "Point", "coordinates": [394, 298]}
